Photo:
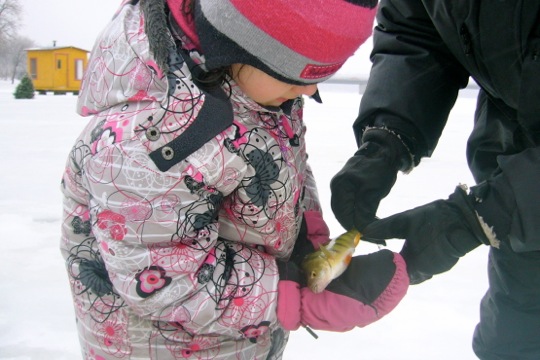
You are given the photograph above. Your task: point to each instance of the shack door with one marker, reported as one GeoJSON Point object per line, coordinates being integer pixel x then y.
{"type": "Point", "coordinates": [60, 71]}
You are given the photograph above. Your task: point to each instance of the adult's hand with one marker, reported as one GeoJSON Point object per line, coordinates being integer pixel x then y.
{"type": "Point", "coordinates": [367, 178]}
{"type": "Point", "coordinates": [436, 234]}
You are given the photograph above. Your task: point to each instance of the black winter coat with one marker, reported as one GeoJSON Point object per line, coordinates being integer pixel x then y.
{"type": "Point", "coordinates": [425, 51]}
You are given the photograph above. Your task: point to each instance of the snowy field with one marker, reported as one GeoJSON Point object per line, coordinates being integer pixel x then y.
{"type": "Point", "coordinates": [434, 321]}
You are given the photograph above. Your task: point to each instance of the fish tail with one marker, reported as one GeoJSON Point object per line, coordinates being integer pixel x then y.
{"type": "Point", "coordinates": [357, 239]}
{"type": "Point", "coordinates": [347, 241]}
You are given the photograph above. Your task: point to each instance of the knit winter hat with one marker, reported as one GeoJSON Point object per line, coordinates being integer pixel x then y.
{"type": "Point", "coordinates": [296, 41]}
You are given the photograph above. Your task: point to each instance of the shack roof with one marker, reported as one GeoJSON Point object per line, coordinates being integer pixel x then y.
{"type": "Point", "coordinates": [49, 48]}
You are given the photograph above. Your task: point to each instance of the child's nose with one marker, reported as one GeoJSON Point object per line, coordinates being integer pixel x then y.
{"type": "Point", "coordinates": [308, 90]}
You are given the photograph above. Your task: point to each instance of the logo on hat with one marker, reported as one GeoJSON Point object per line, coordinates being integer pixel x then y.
{"type": "Point", "coordinates": [312, 71]}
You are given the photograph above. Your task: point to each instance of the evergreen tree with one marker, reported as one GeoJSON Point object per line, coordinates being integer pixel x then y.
{"type": "Point", "coordinates": [25, 89]}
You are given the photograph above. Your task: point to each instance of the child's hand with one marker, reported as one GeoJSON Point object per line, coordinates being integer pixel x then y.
{"type": "Point", "coordinates": [370, 288]}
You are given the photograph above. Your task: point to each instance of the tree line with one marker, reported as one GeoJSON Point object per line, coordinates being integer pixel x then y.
{"type": "Point", "coordinates": [12, 45]}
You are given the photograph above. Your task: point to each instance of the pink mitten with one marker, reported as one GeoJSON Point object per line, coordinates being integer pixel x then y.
{"type": "Point", "coordinates": [371, 287]}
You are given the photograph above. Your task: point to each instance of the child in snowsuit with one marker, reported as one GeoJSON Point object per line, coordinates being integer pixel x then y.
{"type": "Point", "coordinates": [191, 181]}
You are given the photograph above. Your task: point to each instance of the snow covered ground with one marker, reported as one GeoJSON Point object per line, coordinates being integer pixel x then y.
{"type": "Point", "coordinates": [434, 321]}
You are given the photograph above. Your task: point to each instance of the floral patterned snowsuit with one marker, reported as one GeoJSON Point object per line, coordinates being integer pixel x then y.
{"type": "Point", "coordinates": [177, 263]}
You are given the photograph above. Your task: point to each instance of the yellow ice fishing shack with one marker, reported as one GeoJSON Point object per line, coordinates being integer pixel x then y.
{"type": "Point", "coordinates": [57, 69]}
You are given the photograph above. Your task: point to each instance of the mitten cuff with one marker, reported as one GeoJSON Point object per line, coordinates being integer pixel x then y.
{"type": "Point", "coordinates": [317, 230]}
{"type": "Point", "coordinates": [396, 289]}
{"type": "Point", "coordinates": [289, 303]}
{"type": "Point", "coordinates": [334, 312]}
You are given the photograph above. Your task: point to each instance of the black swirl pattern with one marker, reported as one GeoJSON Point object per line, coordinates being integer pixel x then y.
{"type": "Point", "coordinates": [91, 281]}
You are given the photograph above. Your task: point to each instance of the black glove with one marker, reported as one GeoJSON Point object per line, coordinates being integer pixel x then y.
{"type": "Point", "coordinates": [437, 234]}
{"type": "Point", "coordinates": [367, 178]}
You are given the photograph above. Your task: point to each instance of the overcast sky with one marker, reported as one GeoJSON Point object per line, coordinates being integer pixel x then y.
{"type": "Point", "coordinates": [78, 23]}
{"type": "Point", "coordinates": [68, 22]}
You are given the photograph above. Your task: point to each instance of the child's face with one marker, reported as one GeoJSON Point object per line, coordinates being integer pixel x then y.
{"type": "Point", "coordinates": [265, 89]}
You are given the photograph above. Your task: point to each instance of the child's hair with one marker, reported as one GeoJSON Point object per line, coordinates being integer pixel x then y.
{"type": "Point", "coordinates": [211, 79]}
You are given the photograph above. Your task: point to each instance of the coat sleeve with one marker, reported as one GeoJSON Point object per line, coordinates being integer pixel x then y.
{"type": "Point", "coordinates": [157, 235]}
{"type": "Point", "coordinates": [311, 195]}
{"type": "Point", "coordinates": [414, 80]}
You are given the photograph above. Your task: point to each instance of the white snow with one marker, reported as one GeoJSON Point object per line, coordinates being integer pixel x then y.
{"type": "Point", "coordinates": [434, 321]}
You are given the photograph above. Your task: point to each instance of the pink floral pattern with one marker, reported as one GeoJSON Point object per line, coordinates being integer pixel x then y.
{"type": "Point", "coordinates": [115, 223]}
{"type": "Point", "coordinates": [151, 280]}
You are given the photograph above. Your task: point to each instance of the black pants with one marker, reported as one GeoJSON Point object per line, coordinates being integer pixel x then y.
{"type": "Point", "coordinates": [509, 325]}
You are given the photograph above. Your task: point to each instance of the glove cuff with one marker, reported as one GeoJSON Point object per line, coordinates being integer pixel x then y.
{"type": "Point", "coordinates": [483, 234]}
{"type": "Point", "coordinates": [398, 153]}
{"type": "Point", "coordinates": [494, 207]}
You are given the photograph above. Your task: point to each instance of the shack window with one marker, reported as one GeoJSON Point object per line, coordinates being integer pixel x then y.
{"type": "Point", "coordinates": [33, 68]}
{"type": "Point", "coordinates": [78, 69]}
{"type": "Point", "coordinates": [58, 64]}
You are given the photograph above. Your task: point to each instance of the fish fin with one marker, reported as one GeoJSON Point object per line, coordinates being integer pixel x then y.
{"type": "Point", "coordinates": [348, 259]}
{"type": "Point", "coordinates": [325, 251]}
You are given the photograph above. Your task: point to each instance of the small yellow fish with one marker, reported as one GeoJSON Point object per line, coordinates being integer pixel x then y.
{"type": "Point", "coordinates": [330, 261]}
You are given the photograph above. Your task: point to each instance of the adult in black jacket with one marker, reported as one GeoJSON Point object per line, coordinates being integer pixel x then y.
{"type": "Point", "coordinates": [424, 52]}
